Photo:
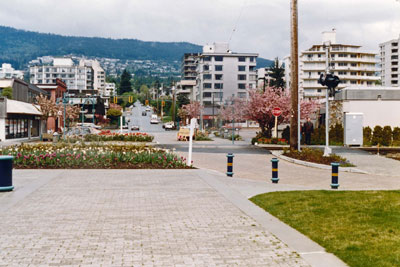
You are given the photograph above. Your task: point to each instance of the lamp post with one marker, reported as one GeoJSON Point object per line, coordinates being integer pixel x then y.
{"type": "Point", "coordinates": [173, 89]}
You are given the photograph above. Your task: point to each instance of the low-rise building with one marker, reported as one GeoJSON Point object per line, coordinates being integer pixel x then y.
{"type": "Point", "coordinates": [8, 72]}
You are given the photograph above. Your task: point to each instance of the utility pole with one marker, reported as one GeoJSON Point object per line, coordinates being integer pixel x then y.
{"type": "Point", "coordinates": [294, 69]}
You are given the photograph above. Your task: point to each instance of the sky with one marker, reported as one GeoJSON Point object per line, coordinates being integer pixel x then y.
{"type": "Point", "coordinates": [261, 26]}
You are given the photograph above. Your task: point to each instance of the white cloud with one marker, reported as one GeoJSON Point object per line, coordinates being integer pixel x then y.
{"type": "Point", "coordinates": [263, 26]}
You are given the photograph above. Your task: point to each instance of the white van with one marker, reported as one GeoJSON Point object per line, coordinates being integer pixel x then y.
{"type": "Point", "coordinates": [154, 119]}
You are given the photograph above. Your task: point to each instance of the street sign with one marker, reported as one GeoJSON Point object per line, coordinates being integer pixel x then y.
{"type": "Point", "coordinates": [276, 112]}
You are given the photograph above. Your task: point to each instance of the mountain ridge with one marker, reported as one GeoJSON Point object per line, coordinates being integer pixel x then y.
{"type": "Point", "coordinates": [18, 47]}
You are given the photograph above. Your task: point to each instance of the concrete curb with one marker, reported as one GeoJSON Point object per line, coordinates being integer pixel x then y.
{"type": "Point", "coordinates": [315, 165]}
{"type": "Point", "coordinates": [310, 251]}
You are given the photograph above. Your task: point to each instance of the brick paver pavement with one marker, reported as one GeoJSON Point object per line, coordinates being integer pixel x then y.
{"type": "Point", "coordinates": [132, 218]}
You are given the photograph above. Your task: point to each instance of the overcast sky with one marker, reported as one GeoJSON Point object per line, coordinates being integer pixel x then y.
{"type": "Point", "coordinates": [262, 26]}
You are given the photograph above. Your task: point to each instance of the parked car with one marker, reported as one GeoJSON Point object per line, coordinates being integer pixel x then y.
{"type": "Point", "coordinates": [148, 108]}
{"type": "Point", "coordinates": [125, 127]}
{"type": "Point", "coordinates": [144, 113]}
{"type": "Point", "coordinates": [135, 128]}
{"type": "Point", "coordinates": [169, 126]}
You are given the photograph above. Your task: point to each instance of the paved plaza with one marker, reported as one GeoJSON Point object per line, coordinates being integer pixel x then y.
{"type": "Point", "coordinates": [142, 218]}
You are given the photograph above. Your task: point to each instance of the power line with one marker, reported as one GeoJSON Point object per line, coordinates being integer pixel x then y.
{"type": "Point", "coordinates": [237, 21]}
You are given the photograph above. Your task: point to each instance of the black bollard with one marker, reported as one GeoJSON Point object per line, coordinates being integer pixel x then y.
{"type": "Point", "coordinates": [6, 166]}
{"type": "Point", "coordinates": [230, 165]}
{"type": "Point", "coordinates": [335, 175]}
{"type": "Point", "coordinates": [275, 178]}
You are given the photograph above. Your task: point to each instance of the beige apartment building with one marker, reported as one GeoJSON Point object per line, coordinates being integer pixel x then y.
{"type": "Point", "coordinates": [389, 55]}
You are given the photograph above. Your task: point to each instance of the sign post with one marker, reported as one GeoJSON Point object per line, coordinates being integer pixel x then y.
{"type": "Point", "coordinates": [276, 112]}
{"type": "Point", "coordinates": [191, 133]}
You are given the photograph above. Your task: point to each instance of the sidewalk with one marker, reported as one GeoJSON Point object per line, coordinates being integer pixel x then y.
{"type": "Point", "coordinates": [143, 218]}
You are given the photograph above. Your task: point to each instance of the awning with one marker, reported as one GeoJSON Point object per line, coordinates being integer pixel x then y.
{"type": "Point", "coordinates": [18, 107]}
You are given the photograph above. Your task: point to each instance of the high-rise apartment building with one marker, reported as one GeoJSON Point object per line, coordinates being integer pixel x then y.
{"type": "Point", "coordinates": [85, 78]}
{"type": "Point", "coordinates": [222, 74]}
{"type": "Point", "coordinates": [354, 66]}
{"type": "Point", "coordinates": [389, 55]}
{"type": "Point", "coordinates": [8, 72]}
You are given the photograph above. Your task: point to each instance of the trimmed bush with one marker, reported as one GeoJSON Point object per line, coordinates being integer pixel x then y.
{"type": "Point", "coordinates": [387, 136]}
{"type": "Point", "coordinates": [396, 134]}
{"type": "Point", "coordinates": [367, 136]}
{"type": "Point", "coordinates": [377, 135]}
{"type": "Point", "coordinates": [336, 135]}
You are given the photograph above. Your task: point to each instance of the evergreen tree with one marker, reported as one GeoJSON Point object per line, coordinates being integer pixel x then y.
{"type": "Point", "coordinates": [183, 99]}
{"type": "Point", "coordinates": [277, 75]}
{"type": "Point", "coordinates": [125, 85]}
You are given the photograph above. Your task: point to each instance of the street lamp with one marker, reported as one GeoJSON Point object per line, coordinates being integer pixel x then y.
{"type": "Point", "coordinates": [173, 103]}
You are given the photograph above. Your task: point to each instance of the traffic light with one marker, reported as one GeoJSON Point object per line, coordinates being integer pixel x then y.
{"type": "Point", "coordinates": [163, 103]}
{"type": "Point", "coordinates": [147, 102]}
{"type": "Point", "coordinates": [115, 100]}
{"type": "Point", "coordinates": [331, 81]}
{"type": "Point", "coordinates": [130, 99]}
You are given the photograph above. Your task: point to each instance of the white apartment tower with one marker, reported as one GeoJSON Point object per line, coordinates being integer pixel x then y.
{"type": "Point", "coordinates": [350, 63]}
{"type": "Point", "coordinates": [222, 74]}
{"type": "Point", "coordinates": [85, 78]}
{"type": "Point", "coordinates": [389, 55]}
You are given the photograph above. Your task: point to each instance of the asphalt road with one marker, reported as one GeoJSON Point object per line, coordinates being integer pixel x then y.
{"type": "Point", "coordinates": [143, 122]}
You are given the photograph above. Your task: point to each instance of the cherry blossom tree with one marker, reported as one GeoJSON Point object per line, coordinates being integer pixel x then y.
{"type": "Point", "coordinates": [47, 106]}
{"type": "Point", "coordinates": [235, 110]}
{"type": "Point", "coordinates": [260, 105]}
{"type": "Point", "coordinates": [193, 109]}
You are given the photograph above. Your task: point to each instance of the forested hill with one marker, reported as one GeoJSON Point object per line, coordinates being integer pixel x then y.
{"type": "Point", "coordinates": [18, 47]}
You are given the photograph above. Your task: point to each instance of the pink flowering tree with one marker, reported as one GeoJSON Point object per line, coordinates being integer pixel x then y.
{"type": "Point", "coordinates": [235, 110]}
{"type": "Point", "coordinates": [260, 105]}
{"type": "Point", "coordinates": [193, 109]}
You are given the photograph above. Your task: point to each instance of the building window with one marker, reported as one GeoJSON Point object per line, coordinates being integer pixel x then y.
{"type": "Point", "coordinates": [241, 86]}
{"type": "Point", "coordinates": [252, 59]}
{"type": "Point", "coordinates": [218, 67]}
{"type": "Point", "coordinates": [218, 58]}
{"type": "Point", "coordinates": [353, 73]}
{"type": "Point", "coordinates": [241, 77]}
{"type": "Point", "coordinates": [242, 59]}
{"type": "Point", "coordinates": [206, 67]}
{"type": "Point", "coordinates": [207, 58]}
{"type": "Point", "coordinates": [207, 85]}
{"type": "Point", "coordinates": [218, 77]}
{"type": "Point", "coordinates": [341, 64]}
{"type": "Point", "coordinates": [207, 94]}
{"type": "Point", "coordinates": [353, 82]}
{"type": "Point", "coordinates": [218, 86]}
{"type": "Point", "coordinates": [354, 64]}
{"type": "Point", "coordinates": [241, 68]}
{"type": "Point", "coordinates": [206, 76]}
{"type": "Point", "coordinates": [252, 68]}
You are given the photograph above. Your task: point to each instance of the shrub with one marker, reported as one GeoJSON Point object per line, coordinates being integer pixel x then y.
{"type": "Point", "coordinates": [377, 135]}
{"type": "Point", "coordinates": [396, 134]}
{"type": "Point", "coordinates": [336, 134]}
{"type": "Point", "coordinates": [318, 136]}
{"type": "Point", "coordinates": [387, 136]}
{"type": "Point", "coordinates": [286, 134]}
{"type": "Point", "coordinates": [367, 136]}
{"type": "Point", "coordinates": [317, 156]}
{"type": "Point", "coordinates": [200, 136]}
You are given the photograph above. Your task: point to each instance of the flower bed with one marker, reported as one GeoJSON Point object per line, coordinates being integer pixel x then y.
{"type": "Point", "coordinates": [317, 156]}
{"type": "Point", "coordinates": [105, 136]}
{"type": "Point", "coordinates": [95, 156]}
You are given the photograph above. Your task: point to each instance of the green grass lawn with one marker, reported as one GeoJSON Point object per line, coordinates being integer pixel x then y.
{"type": "Point", "coordinates": [166, 118]}
{"type": "Point", "coordinates": [360, 227]}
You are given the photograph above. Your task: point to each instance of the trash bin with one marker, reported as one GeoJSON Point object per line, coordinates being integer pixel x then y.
{"type": "Point", "coordinates": [6, 165]}
{"type": "Point", "coordinates": [55, 137]}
